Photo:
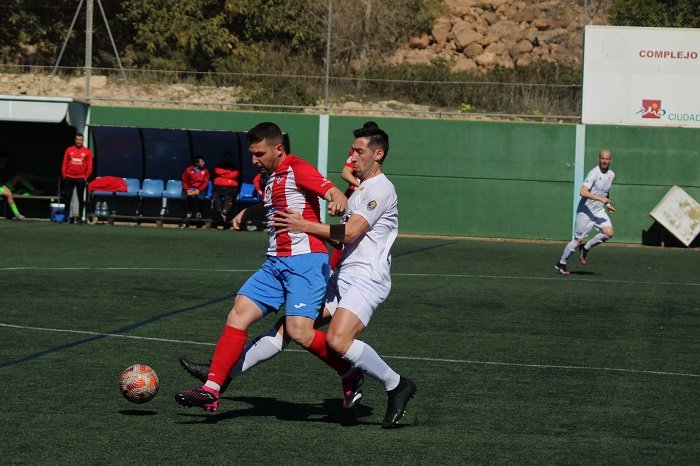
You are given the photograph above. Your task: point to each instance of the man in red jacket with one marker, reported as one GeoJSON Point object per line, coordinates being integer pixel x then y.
{"type": "Point", "coordinates": [195, 182]}
{"type": "Point", "coordinates": [226, 175]}
{"type": "Point", "coordinates": [75, 171]}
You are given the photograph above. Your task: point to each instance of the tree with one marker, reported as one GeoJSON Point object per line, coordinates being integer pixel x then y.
{"type": "Point", "coordinates": [175, 34]}
{"type": "Point", "coordinates": [656, 13]}
{"type": "Point", "coordinates": [286, 34]}
{"type": "Point", "coordinates": [33, 32]}
{"type": "Point", "coordinates": [366, 32]}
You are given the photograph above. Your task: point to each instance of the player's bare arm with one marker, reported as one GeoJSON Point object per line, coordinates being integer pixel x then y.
{"type": "Point", "coordinates": [252, 210]}
{"type": "Point", "coordinates": [349, 175]}
{"type": "Point", "coordinates": [236, 222]}
{"type": "Point", "coordinates": [586, 193]}
{"type": "Point", "coordinates": [290, 221]}
{"type": "Point", "coordinates": [337, 202]}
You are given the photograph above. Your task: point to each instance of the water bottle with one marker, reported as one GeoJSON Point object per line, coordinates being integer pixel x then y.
{"type": "Point", "coordinates": [105, 208]}
{"type": "Point", "coordinates": [100, 209]}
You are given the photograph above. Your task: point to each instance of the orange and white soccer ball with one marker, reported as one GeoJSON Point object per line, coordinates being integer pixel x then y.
{"type": "Point", "coordinates": [139, 383]}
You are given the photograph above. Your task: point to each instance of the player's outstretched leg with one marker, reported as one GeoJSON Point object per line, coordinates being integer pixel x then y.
{"type": "Point", "coordinates": [397, 401]}
{"type": "Point", "coordinates": [200, 371]}
{"type": "Point", "coordinates": [204, 397]}
{"type": "Point", "coordinates": [228, 351]}
{"type": "Point", "coordinates": [260, 349]}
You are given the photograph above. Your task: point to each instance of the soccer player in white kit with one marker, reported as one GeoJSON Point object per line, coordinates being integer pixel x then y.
{"type": "Point", "coordinates": [591, 212]}
{"type": "Point", "coordinates": [361, 282]}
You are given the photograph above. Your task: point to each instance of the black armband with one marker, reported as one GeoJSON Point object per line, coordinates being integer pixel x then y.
{"type": "Point", "coordinates": [338, 232]}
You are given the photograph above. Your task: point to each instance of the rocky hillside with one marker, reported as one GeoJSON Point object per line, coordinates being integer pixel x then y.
{"type": "Point", "coordinates": [483, 34]}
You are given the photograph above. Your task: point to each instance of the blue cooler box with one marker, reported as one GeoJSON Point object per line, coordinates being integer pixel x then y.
{"type": "Point", "coordinates": [58, 213]}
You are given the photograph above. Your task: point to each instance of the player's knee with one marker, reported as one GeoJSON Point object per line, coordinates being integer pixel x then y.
{"type": "Point", "coordinates": [608, 231]}
{"type": "Point", "coordinates": [243, 314]}
{"type": "Point", "coordinates": [338, 342]}
{"type": "Point", "coordinates": [235, 318]}
{"type": "Point", "coordinates": [299, 329]}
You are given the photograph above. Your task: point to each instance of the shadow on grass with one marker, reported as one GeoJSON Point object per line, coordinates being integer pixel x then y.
{"type": "Point", "coordinates": [329, 411]}
{"type": "Point", "coordinates": [137, 412]}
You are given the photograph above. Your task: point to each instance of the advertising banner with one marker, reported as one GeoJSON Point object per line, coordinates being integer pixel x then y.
{"type": "Point", "coordinates": [641, 76]}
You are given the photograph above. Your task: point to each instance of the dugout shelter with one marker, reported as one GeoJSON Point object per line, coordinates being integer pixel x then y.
{"type": "Point", "coordinates": [35, 133]}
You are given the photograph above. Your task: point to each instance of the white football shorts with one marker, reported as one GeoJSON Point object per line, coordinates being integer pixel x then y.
{"type": "Point", "coordinates": [586, 221]}
{"type": "Point", "coordinates": [357, 294]}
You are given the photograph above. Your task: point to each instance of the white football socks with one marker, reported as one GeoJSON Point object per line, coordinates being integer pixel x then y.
{"type": "Point", "coordinates": [363, 356]}
{"type": "Point", "coordinates": [596, 240]}
{"type": "Point", "coordinates": [568, 251]}
{"type": "Point", "coordinates": [260, 349]}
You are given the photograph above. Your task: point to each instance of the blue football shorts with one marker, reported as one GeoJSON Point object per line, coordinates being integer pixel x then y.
{"type": "Point", "coordinates": [299, 281]}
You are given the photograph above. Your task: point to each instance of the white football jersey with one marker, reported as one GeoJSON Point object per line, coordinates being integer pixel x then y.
{"type": "Point", "coordinates": [370, 255]}
{"type": "Point", "coordinates": [598, 183]}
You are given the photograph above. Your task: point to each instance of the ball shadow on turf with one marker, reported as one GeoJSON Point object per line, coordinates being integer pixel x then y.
{"type": "Point", "coordinates": [137, 412]}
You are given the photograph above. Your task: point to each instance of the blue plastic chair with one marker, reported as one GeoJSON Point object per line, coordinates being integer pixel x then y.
{"type": "Point", "coordinates": [133, 186]}
{"type": "Point", "coordinates": [248, 194]}
{"type": "Point", "coordinates": [173, 190]}
{"type": "Point", "coordinates": [152, 188]}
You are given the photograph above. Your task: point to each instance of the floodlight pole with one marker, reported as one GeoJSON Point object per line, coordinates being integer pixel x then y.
{"type": "Point", "coordinates": [89, 10]}
{"type": "Point", "coordinates": [89, 13]}
{"type": "Point", "coordinates": [63, 47]}
{"type": "Point", "coordinates": [328, 53]}
{"type": "Point", "coordinates": [114, 47]}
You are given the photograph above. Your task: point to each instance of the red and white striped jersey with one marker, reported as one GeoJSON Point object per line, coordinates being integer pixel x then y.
{"type": "Point", "coordinates": [298, 185]}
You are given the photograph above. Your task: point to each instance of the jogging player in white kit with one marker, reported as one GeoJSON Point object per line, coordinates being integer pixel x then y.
{"type": "Point", "coordinates": [591, 212]}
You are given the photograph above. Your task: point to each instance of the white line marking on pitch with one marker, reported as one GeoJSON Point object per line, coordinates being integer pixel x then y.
{"type": "Point", "coordinates": [510, 277]}
{"type": "Point", "coordinates": [409, 358]}
{"type": "Point", "coordinates": [395, 274]}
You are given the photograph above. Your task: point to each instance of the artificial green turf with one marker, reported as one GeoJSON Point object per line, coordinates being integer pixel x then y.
{"type": "Point", "coordinates": [514, 363]}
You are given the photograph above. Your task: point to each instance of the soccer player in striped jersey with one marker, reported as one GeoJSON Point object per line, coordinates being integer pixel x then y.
{"type": "Point", "coordinates": [295, 273]}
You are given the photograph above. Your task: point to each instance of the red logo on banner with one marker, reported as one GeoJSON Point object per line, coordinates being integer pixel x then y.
{"type": "Point", "coordinates": [651, 108]}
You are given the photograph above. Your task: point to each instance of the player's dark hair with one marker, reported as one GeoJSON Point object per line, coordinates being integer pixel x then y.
{"type": "Point", "coordinates": [265, 131]}
{"type": "Point", "coordinates": [367, 125]}
{"type": "Point", "coordinates": [378, 139]}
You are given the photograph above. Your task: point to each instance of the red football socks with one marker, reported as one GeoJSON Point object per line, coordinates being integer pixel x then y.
{"type": "Point", "coordinates": [228, 349]}
{"type": "Point", "coordinates": [318, 348]}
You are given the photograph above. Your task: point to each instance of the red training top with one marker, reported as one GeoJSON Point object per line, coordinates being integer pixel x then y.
{"type": "Point", "coordinates": [195, 178]}
{"type": "Point", "coordinates": [226, 176]}
{"type": "Point", "coordinates": [77, 163]}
